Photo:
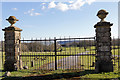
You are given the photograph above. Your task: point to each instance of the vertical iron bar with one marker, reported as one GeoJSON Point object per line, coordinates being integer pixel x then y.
{"type": "Point", "coordinates": [118, 54]}
{"type": "Point", "coordinates": [89, 57]}
{"type": "Point", "coordinates": [55, 47]}
{"type": "Point", "coordinates": [53, 53]}
{"type": "Point", "coordinates": [36, 44]}
{"type": "Point", "coordinates": [64, 54]}
{"type": "Point", "coordinates": [90, 53]}
{"type": "Point", "coordinates": [114, 49]}
{"type": "Point", "coordinates": [45, 52]}
{"type": "Point", "coordinates": [29, 54]}
{"type": "Point", "coordinates": [81, 51]}
{"type": "Point", "coordinates": [118, 50]}
{"type": "Point", "coordinates": [64, 57]}
{"type": "Point", "coordinates": [70, 53]}
{"type": "Point", "coordinates": [38, 53]}
{"type": "Point", "coordinates": [75, 53]}
{"type": "Point", "coordinates": [95, 48]}
{"type": "Point", "coordinates": [41, 51]}
{"type": "Point", "coordinates": [19, 53]}
{"type": "Point", "coordinates": [2, 52]}
{"type": "Point", "coordinates": [49, 52]}
{"type": "Point", "coordinates": [59, 54]}
{"type": "Point", "coordinates": [79, 57]}
{"type": "Point", "coordinates": [24, 53]}
{"type": "Point", "coordinates": [84, 54]}
{"type": "Point", "coordinates": [32, 52]}
{"type": "Point", "coordinates": [51, 49]}
{"type": "Point", "coordinates": [88, 45]}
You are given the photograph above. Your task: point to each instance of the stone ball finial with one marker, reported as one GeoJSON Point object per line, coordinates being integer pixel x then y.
{"type": "Point", "coordinates": [12, 20]}
{"type": "Point", "coordinates": [102, 14]}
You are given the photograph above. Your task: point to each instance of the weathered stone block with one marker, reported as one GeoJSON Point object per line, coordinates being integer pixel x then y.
{"type": "Point", "coordinates": [103, 39]}
{"type": "Point", "coordinates": [104, 66]}
{"type": "Point", "coordinates": [106, 34]}
{"type": "Point", "coordinates": [102, 30]}
{"type": "Point", "coordinates": [103, 25]}
{"type": "Point", "coordinates": [103, 48]}
{"type": "Point", "coordinates": [103, 44]}
{"type": "Point", "coordinates": [9, 63]}
{"type": "Point", "coordinates": [105, 53]}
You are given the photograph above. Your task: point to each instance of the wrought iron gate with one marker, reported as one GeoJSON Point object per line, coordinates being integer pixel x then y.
{"type": "Point", "coordinates": [62, 53]}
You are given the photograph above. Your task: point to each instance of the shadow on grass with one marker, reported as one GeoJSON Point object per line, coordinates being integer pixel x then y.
{"type": "Point", "coordinates": [57, 76]}
{"type": "Point", "coordinates": [53, 76]}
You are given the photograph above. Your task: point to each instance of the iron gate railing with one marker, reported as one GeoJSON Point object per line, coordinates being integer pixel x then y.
{"type": "Point", "coordinates": [43, 59]}
{"type": "Point", "coordinates": [62, 53]}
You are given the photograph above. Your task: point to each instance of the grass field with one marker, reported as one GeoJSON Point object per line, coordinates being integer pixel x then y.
{"type": "Point", "coordinates": [86, 61]}
{"type": "Point", "coordinates": [41, 60]}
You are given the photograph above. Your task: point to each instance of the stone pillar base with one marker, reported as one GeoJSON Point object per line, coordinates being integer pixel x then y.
{"type": "Point", "coordinates": [104, 66]}
{"type": "Point", "coordinates": [10, 66]}
{"type": "Point", "coordinates": [12, 48]}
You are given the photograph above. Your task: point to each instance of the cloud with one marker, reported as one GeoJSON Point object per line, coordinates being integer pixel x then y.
{"type": "Point", "coordinates": [90, 1]}
{"type": "Point", "coordinates": [32, 13]}
{"type": "Point", "coordinates": [73, 5]}
{"type": "Point", "coordinates": [76, 5]}
{"type": "Point", "coordinates": [62, 6]}
{"type": "Point", "coordinates": [52, 5]}
{"type": "Point", "coordinates": [70, 1]}
{"type": "Point", "coordinates": [43, 3]}
{"type": "Point", "coordinates": [36, 14]}
{"type": "Point", "coordinates": [15, 9]}
{"type": "Point", "coordinates": [43, 7]}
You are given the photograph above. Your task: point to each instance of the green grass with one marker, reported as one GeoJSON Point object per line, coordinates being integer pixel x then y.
{"type": "Point", "coordinates": [66, 74]}
{"type": "Point", "coordinates": [84, 60]}
{"type": "Point", "coordinates": [49, 59]}
{"type": "Point", "coordinates": [102, 75]}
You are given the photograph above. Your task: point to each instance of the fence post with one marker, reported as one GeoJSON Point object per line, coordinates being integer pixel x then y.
{"type": "Point", "coordinates": [2, 51]}
{"type": "Point", "coordinates": [12, 45]}
{"type": "Point", "coordinates": [118, 53]}
{"type": "Point", "coordinates": [55, 49]}
{"type": "Point", "coordinates": [103, 44]}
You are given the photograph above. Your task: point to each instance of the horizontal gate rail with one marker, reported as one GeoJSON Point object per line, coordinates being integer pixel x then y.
{"type": "Point", "coordinates": [75, 38]}
{"type": "Point", "coordinates": [59, 39]}
{"type": "Point", "coordinates": [59, 55]}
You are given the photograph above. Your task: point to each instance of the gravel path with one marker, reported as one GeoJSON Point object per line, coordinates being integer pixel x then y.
{"type": "Point", "coordinates": [70, 62]}
{"type": "Point", "coordinates": [66, 63]}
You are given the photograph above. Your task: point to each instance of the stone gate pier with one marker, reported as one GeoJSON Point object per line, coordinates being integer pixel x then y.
{"type": "Point", "coordinates": [103, 44]}
{"type": "Point", "coordinates": [12, 45]}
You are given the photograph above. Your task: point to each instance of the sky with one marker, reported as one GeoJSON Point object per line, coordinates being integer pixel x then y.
{"type": "Point", "coordinates": [58, 19]}
{"type": "Point", "coordinates": [56, 0]}
{"type": "Point", "coordinates": [119, 19]}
